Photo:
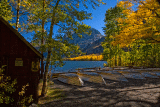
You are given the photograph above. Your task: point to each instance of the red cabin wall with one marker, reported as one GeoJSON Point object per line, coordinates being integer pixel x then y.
{"type": "Point", "coordinates": [12, 47]}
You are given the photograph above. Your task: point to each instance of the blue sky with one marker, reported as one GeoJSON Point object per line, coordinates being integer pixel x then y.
{"type": "Point", "coordinates": [97, 21]}
{"type": "Point", "coordinates": [98, 15]}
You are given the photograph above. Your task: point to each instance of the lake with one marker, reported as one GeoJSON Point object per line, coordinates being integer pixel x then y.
{"type": "Point", "coordinates": [72, 65]}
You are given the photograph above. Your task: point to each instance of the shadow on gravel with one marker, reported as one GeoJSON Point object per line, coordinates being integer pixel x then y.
{"type": "Point", "coordinates": [135, 93]}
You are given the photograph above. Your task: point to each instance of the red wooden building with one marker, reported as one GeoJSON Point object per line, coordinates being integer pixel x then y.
{"type": "Point", "coordinates": [21, 58]}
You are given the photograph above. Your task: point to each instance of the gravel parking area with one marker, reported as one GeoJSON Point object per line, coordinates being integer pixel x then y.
{"type": "Point", "coordinates": [135, 93]}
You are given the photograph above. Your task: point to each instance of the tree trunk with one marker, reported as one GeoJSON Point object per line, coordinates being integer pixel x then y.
{"type": "Point", "coordinates": [120, 60]}
{"type": "Point", "coordinates": [115, 60]}
{"type": "Point", "coordinates": [154, 56]}
{"type": "Point", "coordinates": [43, 22]}
{"type": "Point", "coordinates": [17, 20]}
{"type": "Point", "coordinates": [50, 73]}
{"type": "Point", "coordinates": [49, 50]}
{"type": "Point", "coordinates": [42, 68]}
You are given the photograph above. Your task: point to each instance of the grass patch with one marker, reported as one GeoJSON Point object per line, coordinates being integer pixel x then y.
{"type": "Point", "coordinates": [52, 93]}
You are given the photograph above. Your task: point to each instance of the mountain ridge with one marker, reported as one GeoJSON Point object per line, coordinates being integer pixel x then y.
{"type": "Point", "coordinates": [89, 44]}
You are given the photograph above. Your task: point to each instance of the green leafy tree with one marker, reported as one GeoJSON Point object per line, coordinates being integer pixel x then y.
{"type": "Point", "coordinates": [7, 88]}
{"type": "Point", "coordinates": [16, 4]}
{"type": "Point", "coordinates": [68, 17]}
{"type": "Point", "coordinates": [19, 12]}
{"type": "Point", "coordinates": [111, 29]}
{"type": "Point", "coordinates": [11, 9]}
{"type": "Point", "coordinates": [143, 51]}
{"type": "Point", "coordinates": [5, 10]}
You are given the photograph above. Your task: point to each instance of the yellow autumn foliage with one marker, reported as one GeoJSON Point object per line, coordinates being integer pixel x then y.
{"type": "Point", "coordinates": [92, 57]}
{"type": "Point", "coordinates": [139, 24]}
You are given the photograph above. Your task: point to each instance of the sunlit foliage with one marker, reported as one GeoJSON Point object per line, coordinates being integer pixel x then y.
{"type": "Point", "coordinates": [141, 24]}
{"type": "Point", "coordinates": [111, 29]}
{"type": "Point", "coordinates": [8, 87]}
{"type": "Point", "coordinates": [92, 57]}
{"type": "Point", "coordinates": [138, 36]}
{"type": "Point", "coordinates": [43, 16]}
{"type": "Point", "coordinates": [5, 10]}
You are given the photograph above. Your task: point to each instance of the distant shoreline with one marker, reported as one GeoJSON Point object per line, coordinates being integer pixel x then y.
{"type": "Point", "coordinates": [83, 60]}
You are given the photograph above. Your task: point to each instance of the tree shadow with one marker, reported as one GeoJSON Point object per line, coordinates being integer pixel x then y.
{"type": "Point", "coordinates": [116, 94]}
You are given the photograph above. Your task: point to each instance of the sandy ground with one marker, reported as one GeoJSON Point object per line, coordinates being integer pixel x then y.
{"type": "Point", "coordinates": [135, 93]}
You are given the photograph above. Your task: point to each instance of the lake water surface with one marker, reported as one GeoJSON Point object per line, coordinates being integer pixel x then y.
{"type": "Point", "coordinates": [72, 65]}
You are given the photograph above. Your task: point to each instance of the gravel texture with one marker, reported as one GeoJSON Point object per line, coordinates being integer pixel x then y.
{"type": "Point", "coordinates": [135, 93]}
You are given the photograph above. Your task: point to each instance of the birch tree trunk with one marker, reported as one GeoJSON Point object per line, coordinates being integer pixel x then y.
{"type": "Point", "coordinates": [42, 41]}
{"type": "Point", "coordinates": [17, 19]}
{"type": "Point", "coordinates": [49, 50]}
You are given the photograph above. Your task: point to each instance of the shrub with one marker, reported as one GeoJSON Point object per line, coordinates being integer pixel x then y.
{"type": "Point", "coordinates": [7, 87]}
